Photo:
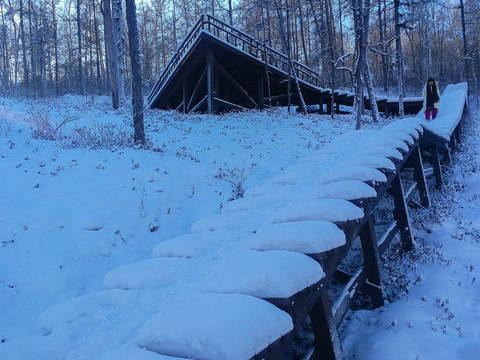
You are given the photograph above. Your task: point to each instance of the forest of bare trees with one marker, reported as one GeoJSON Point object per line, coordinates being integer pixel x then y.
{"type": "Point", "coordinates": [55, 47]}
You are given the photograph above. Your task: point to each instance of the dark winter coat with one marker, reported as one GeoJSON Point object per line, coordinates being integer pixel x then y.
{"type": "Point", "coordinates": [431, 97]}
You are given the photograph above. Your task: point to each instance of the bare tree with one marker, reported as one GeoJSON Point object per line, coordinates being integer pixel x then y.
{"type": "Point", "coordinates": [291, 69]}
{"type": "Point", "coordinates": [399, 57]}
{"type": "Point", "coordinates": [79, 54]}
{"type": "Point", "coordinates": [117, 26]}
{"type": "Point", "coordinates": [136, 61]}
{"type": "Point", "coordinates": [111, 53]}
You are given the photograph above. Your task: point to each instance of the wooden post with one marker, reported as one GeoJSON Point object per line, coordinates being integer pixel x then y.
{"type": "Point", "coordinates": [210, 82]}
{"type": "Point", "coordinates": [320, 104]}
{"type": "Point", "coordinates": [327, 344]}
{"type": "Point", "coordinates": [453, 143]}
{"type": "Point", "coordinates": [401, 213]}
{"type": "Point", "coordinates": [456, 132]}
{"type": "Point", "coordinates": [420, 177]}
{"type": "Point", "coordinates": [371, 257]}
{"type": "Point", "coordinates": [447, 155]}
{"type": "Point", "coordinates": [437, 169]}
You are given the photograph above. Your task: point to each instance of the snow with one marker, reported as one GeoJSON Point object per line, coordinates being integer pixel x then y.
{"type": "Point", "coordinates": [120, 253]}
{"type": "Point", "coordinates": [199, 325]}
{"type": "Point", "coordinates": [267, 274]}
{"type": "Point", "coordinates": [308, 237]}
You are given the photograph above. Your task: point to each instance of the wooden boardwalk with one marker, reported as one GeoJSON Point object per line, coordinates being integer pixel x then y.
{"type": "Point", "coordinates": [307, 220]}
{"type": "Point", "coordinates": [218, 68]}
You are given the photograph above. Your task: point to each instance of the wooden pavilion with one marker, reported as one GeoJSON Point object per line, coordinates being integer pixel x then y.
{"type": "Point", "coordinates": [218, 68]}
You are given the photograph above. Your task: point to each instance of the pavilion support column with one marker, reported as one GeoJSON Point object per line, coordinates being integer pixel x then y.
{"type": "Point", "coordinates": [372, 260]}
{"type": "Point", "coordinates": [400, 213]}
{"type": "Point", "coordinates": [210, 82]}
{"type": "Point", "coordinates": [320, 104]}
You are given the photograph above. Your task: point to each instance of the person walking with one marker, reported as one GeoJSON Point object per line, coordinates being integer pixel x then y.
{"type": "Point", "coordinates": [431, 99]}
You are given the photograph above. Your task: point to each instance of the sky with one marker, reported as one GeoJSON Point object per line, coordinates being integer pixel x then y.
{"type": "Point", "coordinates": [110, 252]}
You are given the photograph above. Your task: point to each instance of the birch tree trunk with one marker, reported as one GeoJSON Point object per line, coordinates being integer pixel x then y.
{"type": "Point", "coordinates": [26, 74]}
{"type": "Point", "coordinates": [366, 70]}
{"type": "Point", "coordinates": [466, 55]}
{"type": "Point", "coordinates": [357, 9]}
{"type": "Point", "coordinates": [136, 61]}
{"type": "Point", "coordinates": [79, 54]}
{"type": "Point", "coordinates": [331, 38]}
{"type": "Point", "coordinates": [111, 52]}
{"type": "Point", "coordinates": [291, 69]}
{"type": "Point", "coordinates": [55, 39]}
{"type": "Point", "coordinates": [399, 57]}
{"type": "Point", "coordinates": [362, 74]}
{"type": "Point", "coordinates": [32, 50]}
{"type": "Point", "coordinates": [117, 22]}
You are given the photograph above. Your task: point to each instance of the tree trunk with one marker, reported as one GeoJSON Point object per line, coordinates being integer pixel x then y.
{"type": "Point", "coordinates": [26, 75]}
{"type": "Point", "coordinates": [399, 58]}
{"type": "Point", "coordinates": [117, 21]}
{"type": "Point", "coordinates": [357, 8]}
{"type": "Point", "coordinates": [230, 12]}
{"type": "Point", "coordinates": [136, 61]}
{"type": "Point", "coordinates": [79, 55]}
{"type": "Point", "coordinates": [97, 47]}
{"type": "Point", "coordinates": [367, 75]}
{"type": "Point", "coordinates": [466, 55]}
{"type": "Point", "coordinates": [382, 33]}
{"type": "Point", "coordinates": [331, 39]}
{"type": "Point", "coordinates": [32, 50]}
{"type": "Point", "coordinates": [55, 39]}
{"type": "Point", "coordinates": [111, 52]}
{"type": "Point", "coordinates": [291, 69]}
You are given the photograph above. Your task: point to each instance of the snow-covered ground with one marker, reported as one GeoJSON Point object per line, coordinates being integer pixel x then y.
{"type": "Point", "coordinates": [72, 221]}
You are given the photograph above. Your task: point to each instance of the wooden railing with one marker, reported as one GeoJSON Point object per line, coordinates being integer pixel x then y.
{"type": "Point", "coordinates": [240, 41]}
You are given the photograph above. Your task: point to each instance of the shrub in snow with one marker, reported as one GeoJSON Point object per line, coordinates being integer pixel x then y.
{"type": "Point", "coordinates": [100, 136]}
{"type": "Point", "coordinates": [6, 124]}
{"type": "Point", "coordinates": [44, 127]}
{"type": "Point", "coordinates": [235, 177]}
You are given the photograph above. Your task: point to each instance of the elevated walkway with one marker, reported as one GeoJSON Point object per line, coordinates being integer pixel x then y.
{"type": "Point", "coordinates": [218, 68]}
{"type": "Point", "coordinates": [252, 275]}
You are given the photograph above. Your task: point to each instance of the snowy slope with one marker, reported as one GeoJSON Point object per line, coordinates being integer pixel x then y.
{"type": "Point", "coordinates": [97, 244]}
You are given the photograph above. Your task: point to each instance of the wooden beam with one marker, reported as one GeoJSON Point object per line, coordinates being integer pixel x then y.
{"type": "Point", "coordinates": [437, 168]}
{"type": "Point", "coordinates": [420, 177]}
{"type": "Point", "coordinates": [196, 89]}
{"type": "Point", "coordinates": [342, 304]}
{"type": "Point", "coordinates": [185, 95]}
{"type": "Point", "coordinates": [370, 254]}
{"type": "Point", "coordinates": [327, 344]}
{"type": "Point", "coordinates": [210, 81]}
{"type": "Point", "coordinates": [387, 237]}
{"type": "Point", "coordinates": [229, 104]}
{"type": "Point", "coordinates": [400, 213]}
{"type": "Point", "coordinates": [180, 106]}
{"type": "Point", "coordinates": [235, 84]}
{"type": "Point", "coordinates": [200, 104]}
